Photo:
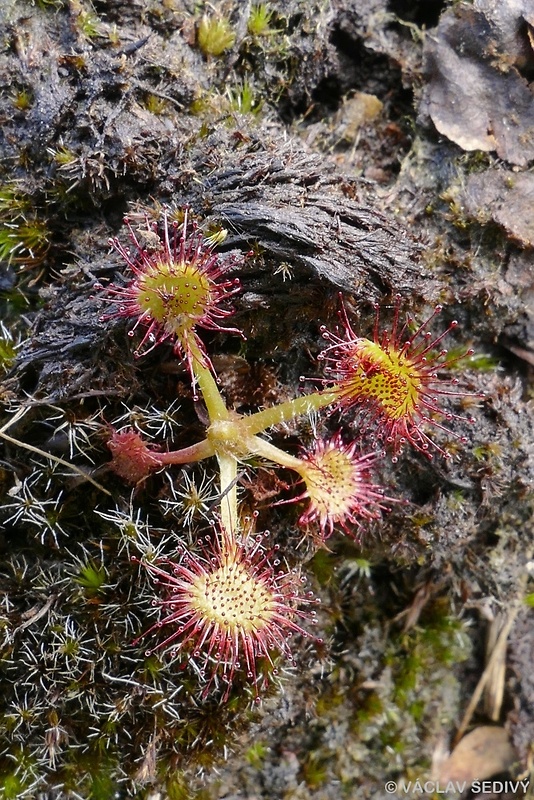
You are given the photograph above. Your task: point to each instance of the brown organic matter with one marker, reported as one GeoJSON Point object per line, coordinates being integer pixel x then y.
{"type": "Point", "coordinates": [111, 109]}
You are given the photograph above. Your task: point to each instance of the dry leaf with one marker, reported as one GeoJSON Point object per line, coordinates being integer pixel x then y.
{"type": "Point", "coordinates": [483, 752]}
{"type": "Point", "coordinates": [477, 93]}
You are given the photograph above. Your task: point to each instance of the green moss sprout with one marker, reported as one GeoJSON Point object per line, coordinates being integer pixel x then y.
{"type": "Point", "coordinates": [215, 35]}
{"type": "Point", "coordinates": [259, 20]}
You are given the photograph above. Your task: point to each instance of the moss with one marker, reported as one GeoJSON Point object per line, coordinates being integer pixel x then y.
{"type": "Point", "coordinates": [256, 753]}
{"type": "Point", "coordinates": [243, 99]}
{"type": "Point", "coordinates": [12, 786]}
{"type": "Point", "coordinates": [155, 104]}
{"type": "Point", "coordinates": [22, 99]}
{"type": "Point", "coordinates": [87, 23]}
{"type": "Point", "coordinates": [374, 706]}
{"type": "Point", "coordinates": [26, 241]}
{"type": "Point", "coordinates": [324, 567]}
{"type": "Point", "coordinates": [50, 4]}
{"type": "Point", "coordinates": [259, 20]}
{"type": "Point", "coordinates": [421, 654]}
{"type": "Point", "coordinates": [314, 770]}
{"type": "Point", "coordinates": [215, 35]}
{"type": "Point", "coordinates": [8, 349]}
{"type": "Point", "coordinates": [63, 156]}
{"type": "Point", "coordinates": [91, 578]}
{"type": "Point", "coordinates": [18, 770]}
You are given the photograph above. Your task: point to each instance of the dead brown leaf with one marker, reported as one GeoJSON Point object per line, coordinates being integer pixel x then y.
{"type": "Point", "coordinates": [483, 752]}
{"type": "Point", "coordinates": [478, 63]}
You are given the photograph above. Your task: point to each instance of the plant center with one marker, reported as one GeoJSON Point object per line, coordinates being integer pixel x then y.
{"type": "Point", "coordinates": [233, 599]}
{"type": "Point", "coordinates": [384, 377]}
{"type": "Point", "coordinates": [175, 294]}
{"type": "Point", "coordinates": [331, 482]}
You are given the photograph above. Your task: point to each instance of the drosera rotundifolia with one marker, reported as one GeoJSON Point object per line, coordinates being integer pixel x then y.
{"type": "Point", "coordinates": [226, 604]}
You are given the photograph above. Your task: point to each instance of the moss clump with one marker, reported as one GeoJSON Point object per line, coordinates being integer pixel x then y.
{"type": "Point", "coordinates": [215, 35]}
{"type": "Point", "coordinates": [259, 20]}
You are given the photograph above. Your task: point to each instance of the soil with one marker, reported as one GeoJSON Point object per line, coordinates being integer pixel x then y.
{"type": "Point", "coordinates": [375, 148]}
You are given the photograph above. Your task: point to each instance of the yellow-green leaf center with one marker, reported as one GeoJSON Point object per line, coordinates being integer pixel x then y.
{"type": "Point", "coordinates": [386, 377]}
{"type": "Point", "coordinates": [233, 599]}
{"type": "Point", "coordinates": [331, 481]}
{"type": "Point", "coordinates": [175, 294]}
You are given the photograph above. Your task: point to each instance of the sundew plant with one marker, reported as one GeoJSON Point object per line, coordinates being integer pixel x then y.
{"type": "Point", "coordinates": [149, 611]}
{"type": "Point", "coordinates": [228, 605]}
